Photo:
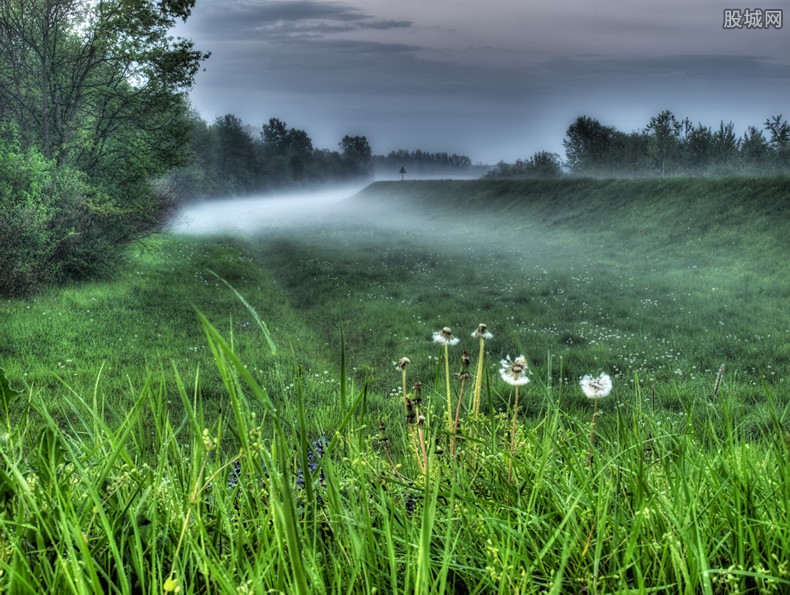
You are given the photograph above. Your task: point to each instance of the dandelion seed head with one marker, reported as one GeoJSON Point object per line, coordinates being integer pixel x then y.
{"type": "Point", "coordinates": [596, 388]}
{"type": "Point", "coordinates": [482, 332]}
{"type": "Point", "coordinates": [514, 372]}
{"type": "Point", "coordinates": [402, 363]}
{"type": "Point", "coordinates": [445, 337]}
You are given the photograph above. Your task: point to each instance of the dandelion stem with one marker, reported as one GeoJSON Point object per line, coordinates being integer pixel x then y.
{"type": "Point", "coordinates": [405, 395]}
{"type": "Point", "coordinates": [513, 438]}
{"type": "Point", "coordinates": [457, 415]}
{"type": "Point", "coordinates": [592, 431]}
{"type": "Point", "coordinates": [447, 384]}
{"type": "Point", "coordinates": [423, 449]}
{"type": "Point", "coordinates": [394, 467]}
{"type": "Point", "coordinates": [479, 379]}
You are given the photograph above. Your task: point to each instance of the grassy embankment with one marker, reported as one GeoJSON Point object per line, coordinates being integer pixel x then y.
{"type": "Point", "coordinates": [656, 282]}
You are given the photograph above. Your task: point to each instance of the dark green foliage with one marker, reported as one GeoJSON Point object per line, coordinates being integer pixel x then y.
{"type": "Point", "coordinates": [587, 145]}
{"type": "Point", "coordinates": [357, 154]}
{"type": "Point", "coordinates": [541, 166]}
{"type": "Point", "coordinates": [668, 146]}
{"type": "Point", "coordinates": [53, 224]}
{"type": "Point", "coordinates": [421, 162]}
{"type": "Point", "coordinates": [93, 94]}
{"type": "Point", "coordinates": [227, 159]}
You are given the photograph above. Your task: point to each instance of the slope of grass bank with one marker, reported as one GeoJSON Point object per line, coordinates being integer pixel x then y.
{"type": "Point", "coordinates": [745, 218]}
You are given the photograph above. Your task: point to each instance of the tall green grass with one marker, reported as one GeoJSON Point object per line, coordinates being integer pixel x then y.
{"type": "Point", "coordinates": [224, 506]}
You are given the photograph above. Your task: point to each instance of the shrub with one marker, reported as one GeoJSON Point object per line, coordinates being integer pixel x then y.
{"type": "Point", "coordinates": [53, 224]}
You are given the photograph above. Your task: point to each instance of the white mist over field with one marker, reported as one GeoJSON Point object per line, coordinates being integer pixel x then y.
{"type": "Point", "coordinates": [250, 215]}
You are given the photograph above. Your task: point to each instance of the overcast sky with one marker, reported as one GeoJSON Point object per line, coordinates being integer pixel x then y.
{"type": "Point", "coordinates": [492, 79]}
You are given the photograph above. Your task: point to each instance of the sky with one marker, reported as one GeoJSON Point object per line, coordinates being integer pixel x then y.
{"type": "Point", "coordinates": [491, 79]}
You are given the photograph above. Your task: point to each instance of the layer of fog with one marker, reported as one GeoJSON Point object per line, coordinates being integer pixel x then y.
{"type": "Point", "coordinates": [251, 215]}
{"type": "Point", "coordinates": [312, 211]}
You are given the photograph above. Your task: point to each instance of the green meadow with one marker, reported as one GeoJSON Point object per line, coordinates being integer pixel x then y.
{"type": "Point", "coordinates": [225, 413]}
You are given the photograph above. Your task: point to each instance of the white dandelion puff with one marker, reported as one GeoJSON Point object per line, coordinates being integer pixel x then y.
{"type": "Point", "coordinates": [596, 388]}
{"type": "Point", "coordinates": [482, 332]}
{"type": "Point", "coordinates": [402, 363]}
{"type": "Point", "coordinates": [445, 337]}
{"type": "Point", "coordinates": [514, 372]}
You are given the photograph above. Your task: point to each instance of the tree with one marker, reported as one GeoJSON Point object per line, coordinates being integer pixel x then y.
{"type": "Point", "coordinates": [754, 150]}
{"type": "Point", "coordinates": [275, 136]}
{"type": "Point", "coordinates": [99, 87]}
{"type": "Point", "coordinates": [779, 141]}
{"type": "Point", "coordinates": [543, 165]}
{"type": "Point", "coordinates": [72, 72]}
{"type": "Point", "coordinates": [587, 145]}
{"type": "Point", "coordinates": [357, 153]}
{"type": "Point", "coordinates": [724, 147]}
{"type": "Point", "coordinates": [285, 151]}
{"type": "Point", "coordinates": [780, 132]}
{"type": "Point", "coordinates": [627, 154]}
{"type": "Point", "coordinates": [299, 143]}
{"type": "Point", "coordinates": [300, 149]}
{"type": "Point", "coordinates": [664, 132]}
{"type": "Point", "coordinates": [235, 155]}
{"type": "Point", "coordinates": [697, 143]}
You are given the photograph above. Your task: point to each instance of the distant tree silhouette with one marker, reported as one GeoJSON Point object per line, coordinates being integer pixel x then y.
{"type": "Point", "coordinates": [357, 152]}
{"type": "Point", "coordinates": [588, 145]}
{"type": "Point", "coordinates": [664, 132]}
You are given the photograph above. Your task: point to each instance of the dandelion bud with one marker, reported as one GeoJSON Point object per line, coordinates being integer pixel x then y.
{"type": "Point", "coordinates": [464, 373]}
{"type": "Point", "coordinates": [411, 414]}
{"type": "Point", "coordinates": [381, 437]}
{"type": "Point", "coordinates": [417, 393]}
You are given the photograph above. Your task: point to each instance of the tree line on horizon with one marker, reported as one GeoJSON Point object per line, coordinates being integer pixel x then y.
{"type": "Point", "coordinates": [666, 146]}
{"type": "Point", "coordinates": [229, 158]}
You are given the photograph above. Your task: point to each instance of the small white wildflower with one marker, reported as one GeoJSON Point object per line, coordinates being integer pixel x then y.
{"type": "Point", "coordinates": [514, 372]}
{"type": "Point", "coordinates": [596, 388]}
{"type": "Point", "coordinates": [445, 337]}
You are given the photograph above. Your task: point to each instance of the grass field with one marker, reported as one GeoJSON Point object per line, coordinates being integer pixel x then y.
{"type": "Point", "coordinates": [147, 450]}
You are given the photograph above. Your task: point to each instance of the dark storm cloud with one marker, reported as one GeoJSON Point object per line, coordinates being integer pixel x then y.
{"type": "Point", "coordinates": [236, 22]}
